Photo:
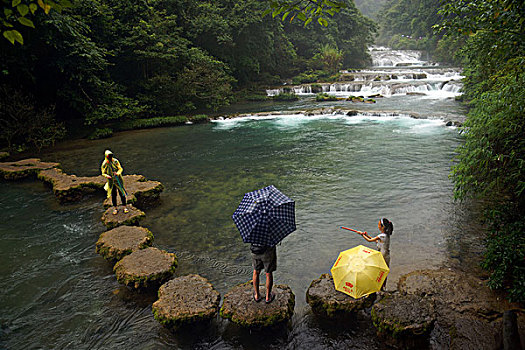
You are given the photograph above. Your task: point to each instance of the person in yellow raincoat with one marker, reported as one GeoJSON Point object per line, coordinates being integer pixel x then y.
{"type": "Point", "coordinates": [112, 170]}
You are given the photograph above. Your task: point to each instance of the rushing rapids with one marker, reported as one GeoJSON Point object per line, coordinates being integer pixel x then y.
{"type": "Point", "coordinates": [394, 72]}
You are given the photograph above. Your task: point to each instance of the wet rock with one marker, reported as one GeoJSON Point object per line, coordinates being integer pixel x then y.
{"type": "Point", "coordinates": [130, 218]}
{"type": "Point", "coordinates": [404, 320]}
{"type": "Point", "coordinates": [239, 307]}
{"type": "Point", "coordinates": [186, 300]}
{"type": "Point", "coordinates": [414, 93]}
{"type": "Point", "coordinates": [24, 168]}
{"type": "Point", "coordinates": [145, 268]}
{"type": "Point", "coordinates": [141, 192]}
{"type": "Point", "coordinates": [70, 188]}
{"type": "Point", "coordinates": [326, 301]}
{"type": "Point", "coordinates": [114, 244]}
{"type": "Point", "coordinates": [468, 314]}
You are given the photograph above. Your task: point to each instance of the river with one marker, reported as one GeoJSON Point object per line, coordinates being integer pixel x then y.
{"type": "Point", "coordinates": [57, 293]}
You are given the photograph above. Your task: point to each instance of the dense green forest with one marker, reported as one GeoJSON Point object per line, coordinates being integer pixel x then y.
{"type": "Point", "coordinates": [97, 62]}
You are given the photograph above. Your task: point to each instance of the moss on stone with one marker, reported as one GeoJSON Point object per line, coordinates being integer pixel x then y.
{"type": "Point", "coordinates": [113, 245]}
{"type": "Point", "coordinates": [24, 168]}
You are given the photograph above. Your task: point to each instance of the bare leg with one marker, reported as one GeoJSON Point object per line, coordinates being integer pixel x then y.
{"type": "Point", "coordinates": [269, 285]}
{"type": "Point", "coordinates": [255, 280]}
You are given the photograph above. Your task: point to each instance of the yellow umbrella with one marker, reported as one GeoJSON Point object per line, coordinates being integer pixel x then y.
{"type": "Point", "coordinates": [359, 271]}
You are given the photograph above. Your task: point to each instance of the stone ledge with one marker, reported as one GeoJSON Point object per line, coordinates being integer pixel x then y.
{"type": "Point", "coordinates": [239, 307]}
{"type": "Point", "coordinates": [141, 192]}
{"type": "Point", "coordinates": [404, 320]}
{"type": "Point", "coordinates": [328, 302]}
{"type": "Point", "coordinates": [71, 188]}
{"type": "Point", "coordinates": [132, 218]}
{"type": "Point", "coordinates": [24, 168]}
{"type": "Point", "coordinates": [186, 300]}
{"type": "Point", "coordinates": [113, 245]}
{"type": "Point", "coordinates": [149, 267]}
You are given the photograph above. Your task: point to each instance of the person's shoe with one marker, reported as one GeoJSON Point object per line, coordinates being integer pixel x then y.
{"type": "Point", "coordinates": [126, 210]}
{"type": "Point", "coordinates": [115, 211]}
{"type": "Point", "coordinates": [269, 300]}
{"type": "Point", "coordinates": [255, 299]}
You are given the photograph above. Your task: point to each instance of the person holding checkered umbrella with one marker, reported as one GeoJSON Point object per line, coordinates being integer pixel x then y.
{"type": "Point", "coordinates": [264, 217]}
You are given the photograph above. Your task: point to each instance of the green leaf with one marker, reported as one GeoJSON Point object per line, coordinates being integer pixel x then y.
{"type": "Point", "coordinates": [307, 21]}
{"type": "Point", "coordinates": [266, 12]}
{"type": "Point", "coordinates": [13, 35]}
{"type": "Point", "coordinates": [33, 7]}
{"type": "Point", "coordinates": [285, 15]}
{"type": "Point", "coordinates": [25, 21]}
{"type": "Point", "coordinates": [9, 36]}
{"type": "Point", "coordinates": [7, 12]}
{"type": "Point", "coordinates": [23, 9]}
{"type": "Point", "coordinates": [15, 3]}
{"type": "Point", "coordinates": [322, 21]}
{"type": "Point", "coordinates": [301, 16]}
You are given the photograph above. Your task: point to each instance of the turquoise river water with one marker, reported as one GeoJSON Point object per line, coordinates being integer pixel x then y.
{"type": "Point", "coordinates": [57, 293]}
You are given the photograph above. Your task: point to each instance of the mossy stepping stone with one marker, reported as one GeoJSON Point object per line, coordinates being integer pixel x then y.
{"type": "Point", "coordinates": [186, 300]}
{"type": "Point", "coordinates": [114, 244]}
{"type": "Point", "coordinates": [407, 320]}
{"type": "Point", "coordinates": [140, 191]}
{"type": "Point", "coordinates": [328, 302]}
{"type": "Point", "coordinates": [24, 168]}
{"type": "Point", "coordinates": [144, 268]}
{"type": "Point", "coordinates": [240, 308]}
{"type": "Point", "coordinates": [132, 217]}
{"type": "Point", "coordinates": [71, 188]}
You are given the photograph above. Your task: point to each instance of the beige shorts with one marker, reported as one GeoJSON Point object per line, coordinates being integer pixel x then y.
{"type": "Point", "coordinates": [266, 260]}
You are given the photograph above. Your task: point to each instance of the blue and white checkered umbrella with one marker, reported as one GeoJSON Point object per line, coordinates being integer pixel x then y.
{"type": "Point", "coordinates": [264, 217]}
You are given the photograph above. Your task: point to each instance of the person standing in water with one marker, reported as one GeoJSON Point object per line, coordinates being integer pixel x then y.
{"type": "Point", "coordinates": [112, 170]}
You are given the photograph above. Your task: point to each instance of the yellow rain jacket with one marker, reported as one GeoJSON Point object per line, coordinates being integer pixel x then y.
{"type": "Point", "coordinates": [112, 170]}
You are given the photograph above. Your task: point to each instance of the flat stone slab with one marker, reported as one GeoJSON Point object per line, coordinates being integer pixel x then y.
{"type": "Point", "coordinates": [24, 168]}
{"type": "Point", "coordinates": [406, 320]}
{"type": "Point", "coordinates": [130, 218]}
{"type": "Point", "coordinates": [239, 307]}
{"type": "Point", "coordinates": [140, 191]}
{"type": "Point", "coordinates": [186, 300]}
{"type": "Point", "coordinates": [71, 188]}
{"type": "Point", "coordinates": [114, 244]}
{"type": "Point", "coordinates": [144, 268]}
{"type": "Point", "coordinates": [328, 302]}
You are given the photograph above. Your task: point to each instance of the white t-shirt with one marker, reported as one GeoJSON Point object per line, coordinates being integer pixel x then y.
{"type": "Point", "coordinates": [383, 245]}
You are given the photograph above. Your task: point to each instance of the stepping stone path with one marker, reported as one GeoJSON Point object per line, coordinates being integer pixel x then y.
{"type": "Point", "coordinates": [239, 307]}
{"type": "Point", "coordinates": [70, 188]}
{"type": "Point", "coordinates": [149, 267]}
{"type": "Point", "coordinates": [130, 218]}
{"type": "Point", "coordinates": [113, 245]}
{"type": "Point", "coordinates": [141, 192]}
{"type": "Point", "coordinates": [328, 302]}
{"type": "Point", "coordinates": [186, 300]}
{"type": "Point", "coordinates": [404, 320]}
{"type": "Point", "coordinates": [24, 168]}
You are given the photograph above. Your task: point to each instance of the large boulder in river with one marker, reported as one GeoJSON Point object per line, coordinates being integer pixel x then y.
{"type": "Point", "coordinates": [404, 321]}
{"type": "Point", "coordinates": [328, 302]}
{"type": "Point", "coordinates": [468, 314]}
{"type": "Point", "coordinates": [149, 267]}
{"type": "Point", "coordinates": [70, 188]}
{"type": "Point", "coordinates": [186, 300]}
{"type": "Point", "coordinates": [24, 168]}
{"type": "Point", "coordinates": [132, 217]}
{"type": "Point", "coordinates": [240, 307]}
{"type": "Point", "coordinates": [114, 244]}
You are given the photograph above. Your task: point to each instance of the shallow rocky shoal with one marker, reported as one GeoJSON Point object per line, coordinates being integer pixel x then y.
{"type": "Point", "coordinates": [140, 191]}
{"type": "Point", "coordinates": [131, 218]}
{"type": "Point", "coordinates": [326, 301]}
{"type": "Point", "coordinates": [239, 307]}
{"type": "Point", "coordinates": [24, 168]}
{"type": "Point", "coordinates": [468, 314]}
{"type": "Point", "coordinates": [70, 188]}
{"type": "Point", "coordinates": [186, 300]}
{"type": "Point", "coordinates": [123, 240]}
{"type": "Point", "coordinates": [405, 320]}
{"type": "Point", "coordinates": [149, 267]}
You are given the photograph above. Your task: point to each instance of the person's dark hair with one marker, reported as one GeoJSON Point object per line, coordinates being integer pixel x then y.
{"type": "Point", "coordinates": [388, 225]}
